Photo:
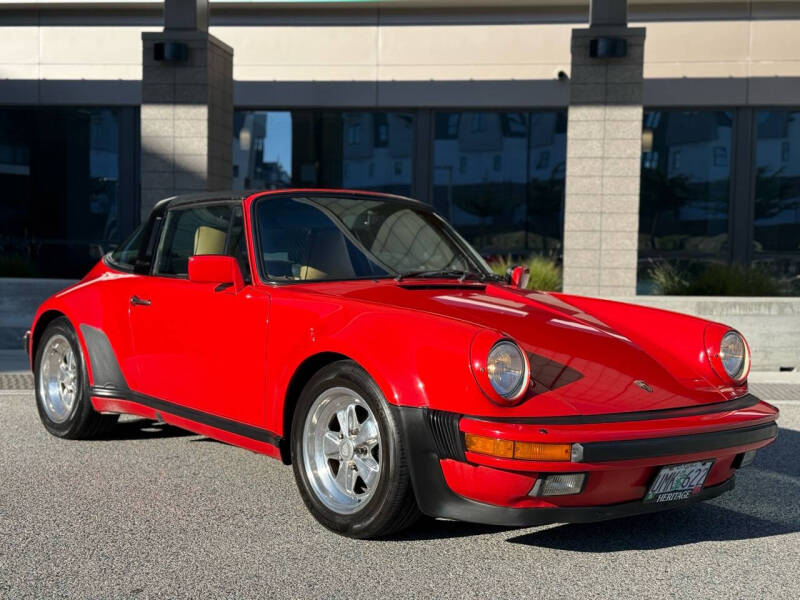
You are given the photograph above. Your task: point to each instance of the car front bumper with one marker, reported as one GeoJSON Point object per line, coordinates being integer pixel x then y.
{"type": "Point", "coordinates": [451, 483]}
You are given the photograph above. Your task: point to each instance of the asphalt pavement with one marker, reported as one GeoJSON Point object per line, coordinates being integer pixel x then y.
{"type": "Point", "coordinates": [155, 512]}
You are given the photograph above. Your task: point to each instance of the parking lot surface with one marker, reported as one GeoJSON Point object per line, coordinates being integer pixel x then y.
{"type": "Point", "coordinates": [155, 512]}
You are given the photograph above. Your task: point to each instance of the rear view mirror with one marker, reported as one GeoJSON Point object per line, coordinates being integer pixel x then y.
{"type": "Point", "coordinates": [519, 276]}
{"type": "Point", "coordinates": [213, 268]}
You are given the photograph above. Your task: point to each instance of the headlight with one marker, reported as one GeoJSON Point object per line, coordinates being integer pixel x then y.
{"type": "Point", "coordinates": [507, 369]}
{"type": "Point", "coordinates": [733, 354]}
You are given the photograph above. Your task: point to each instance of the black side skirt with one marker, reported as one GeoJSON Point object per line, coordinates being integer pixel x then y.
{"type": "Point", "coordinates": [203, 418]}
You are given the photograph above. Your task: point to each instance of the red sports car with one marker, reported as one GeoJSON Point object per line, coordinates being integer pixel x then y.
{"type": "Point", "coordinates": [358, 337]}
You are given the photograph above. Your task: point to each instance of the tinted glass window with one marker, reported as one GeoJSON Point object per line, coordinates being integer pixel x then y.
{"type": "Point", "coordinates": [128, 251]}
{"type": "Point", "coordinates": [62, 207]}
{"type": "Point", "coordinates": [401, 238]}
{"type": "Point", "coordinates": [191, 232]}
{"type": "Point", "coordinates": [342, 238]}
{"type": "Point", "coordinates": [333, 149]}
{"type": "Point", "coordinates": [776, 227]}
{"type": "Point", "coordinates": [498, 177]}
{"type": "Point", "coordinates": [685, 190]}
{"type": "Point", "coordinates": [300, 242]}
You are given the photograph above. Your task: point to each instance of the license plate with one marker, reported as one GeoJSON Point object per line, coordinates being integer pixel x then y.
{"type": "Point", "coordinates": [678, 482]}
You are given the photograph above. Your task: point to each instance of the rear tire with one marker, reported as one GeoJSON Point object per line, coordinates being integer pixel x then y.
{"type": "Point", "coordinates": [348, 457]}
{"type": "Point", "coordinates": [62, 386]}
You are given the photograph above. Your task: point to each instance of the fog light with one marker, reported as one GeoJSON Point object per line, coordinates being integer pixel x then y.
{"type": "Point", "coordinates": [558, 484]}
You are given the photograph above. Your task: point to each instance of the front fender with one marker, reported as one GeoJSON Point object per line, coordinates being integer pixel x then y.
{"type": "Point", "coordinates": [416, 359]}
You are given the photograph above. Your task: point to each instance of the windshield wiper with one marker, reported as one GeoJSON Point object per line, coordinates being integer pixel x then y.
{"type": "Point", "coordinates": [444, 273]}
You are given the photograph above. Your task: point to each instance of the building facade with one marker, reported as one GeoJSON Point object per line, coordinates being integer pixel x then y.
{"type": "Point", "coordinates": [469, 106]}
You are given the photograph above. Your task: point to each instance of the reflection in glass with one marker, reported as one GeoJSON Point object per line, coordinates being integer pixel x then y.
{"type": "Point", "coordinates": [499, 178]}
{"type": "Point", "coordinates": [776, 226]}
{"type": "Point", "coordinates": [685, 190]}
{"type": "Point", "coordinates": [331, 149]}
{"type": "Point", "coordinates": [347, 238]}
{"type": "Point", "coordinates": [59, 171]}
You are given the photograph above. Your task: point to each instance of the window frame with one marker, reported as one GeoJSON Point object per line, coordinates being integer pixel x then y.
{"type": "Point", "coordinates": [162, 231]}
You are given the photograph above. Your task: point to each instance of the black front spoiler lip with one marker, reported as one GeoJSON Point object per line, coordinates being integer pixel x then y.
{"type": "Point", "coordinates": [436, 499]}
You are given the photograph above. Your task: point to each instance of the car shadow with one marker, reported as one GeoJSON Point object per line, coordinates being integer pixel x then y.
{"type": "Point", "coordinates": [763, 504]}
{"type": "Point", "coordinates": [143, 429]}
{"type": "Point", "coordinates": [427, 528]}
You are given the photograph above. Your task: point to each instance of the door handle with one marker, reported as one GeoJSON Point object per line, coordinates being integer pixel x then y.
{"type": "Point", "coordinates": [136, 301]}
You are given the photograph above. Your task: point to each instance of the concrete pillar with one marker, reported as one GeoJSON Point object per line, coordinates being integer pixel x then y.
{"type": "Point", "coordinates": [187, 106]}
{"type": "Point", "coordinates": [604, 139]}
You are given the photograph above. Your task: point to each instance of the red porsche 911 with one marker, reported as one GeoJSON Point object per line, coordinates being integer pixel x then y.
{"type": "Point", "coordinates": [359, 338]}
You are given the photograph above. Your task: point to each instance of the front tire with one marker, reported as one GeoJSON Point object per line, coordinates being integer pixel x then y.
{"type": "Point", "coordinates": [348, 457]}
{"type": "Point", "coordinates": [62, 385]}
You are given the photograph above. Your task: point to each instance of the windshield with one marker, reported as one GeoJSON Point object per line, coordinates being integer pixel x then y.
{"type": "Point", "coordinates": [350, 238]}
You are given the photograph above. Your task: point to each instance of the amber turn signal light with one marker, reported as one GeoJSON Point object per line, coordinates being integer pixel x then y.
{"type": "Point", "coordinates": [520, 450]}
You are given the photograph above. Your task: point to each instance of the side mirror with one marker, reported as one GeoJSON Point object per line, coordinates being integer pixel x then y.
{"type": "Point", "coordinates": [519, 276]}
{"type": "Point", "coordinates": [213, 268]}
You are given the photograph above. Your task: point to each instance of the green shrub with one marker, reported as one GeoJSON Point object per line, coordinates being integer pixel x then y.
{"type": "Point", "coordinates": [667, 280]}
{"type": "Point", "coordinates": [713, 279]}
{"type": "Point", "coordinates": [545, 273]}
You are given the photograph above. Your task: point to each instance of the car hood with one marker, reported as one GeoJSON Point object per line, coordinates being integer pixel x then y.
{"type": "Point", "coordinates": [577, 358]}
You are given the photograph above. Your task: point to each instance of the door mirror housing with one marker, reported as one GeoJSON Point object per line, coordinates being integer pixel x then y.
{"type": "Point", "coordinates": [213, 268]}
{"type": "Point", "coordinates": [519, 276]}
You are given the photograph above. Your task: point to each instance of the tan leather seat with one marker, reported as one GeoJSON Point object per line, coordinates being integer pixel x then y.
{"type": "Point", "coordinates": [208, 240]}
{"type": "Point", "coordinates": [327, 257]}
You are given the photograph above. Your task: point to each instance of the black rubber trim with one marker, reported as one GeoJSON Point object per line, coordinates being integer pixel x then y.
{"type": "Point", "coordinates": [203, 418]}
{"type": "Point", "coordinates": [676, 445]}
{"type": "Point", "coordinates": [446, 434]}
{"type": "Point", "coordinates": [105, 367]}
{"type": "Point", "coordinates": [646, 415]}
{"type": "Point", "coordinates": [436, 499]}
{"type": "Point", "coordinates": [548, 374]}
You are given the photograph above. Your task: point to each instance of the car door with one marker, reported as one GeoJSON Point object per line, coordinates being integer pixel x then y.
{"type": "Point", "coordinates": [200, 345]}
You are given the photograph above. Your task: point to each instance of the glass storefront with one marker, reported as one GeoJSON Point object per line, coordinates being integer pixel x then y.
{"type": "Point", "coordinates": [710, 195]}
{"type": "Point", "coordinates": [499, 178]}
{"type": "Point", "coordinates": [776, 219]}
{"type": "Point", "coordinates": [62, 207]}
{"type": "Point", "coordinates": [685, 190]}
{"type": "Point", "coordinates": [719, 216]}
{"type": "Point", "coordinates": [332, 149]}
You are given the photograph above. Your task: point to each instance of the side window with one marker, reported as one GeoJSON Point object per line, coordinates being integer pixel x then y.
{"type": "Point", "coordinates": [189, 232]}
{"type": "Point", "coordinates": [237, 243]}
{"type": "Point", "coordinates": [125, 256]}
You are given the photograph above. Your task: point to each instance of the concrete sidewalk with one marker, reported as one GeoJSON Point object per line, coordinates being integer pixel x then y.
{"type": "Point", "coordinates": [770, 386]}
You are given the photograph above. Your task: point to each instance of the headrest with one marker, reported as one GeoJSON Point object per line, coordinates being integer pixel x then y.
{"type": "Point", "coordinates": [208, 240]}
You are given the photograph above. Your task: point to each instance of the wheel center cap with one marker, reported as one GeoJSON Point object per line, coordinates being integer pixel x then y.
{"type": "Point", "coordinates": [346, 450]}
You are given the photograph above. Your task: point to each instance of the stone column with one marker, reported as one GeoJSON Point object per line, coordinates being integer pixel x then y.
{"type": "Point", "coordinates": [604, 141]}
{"type": "Point", "coordinates": [187, 106]}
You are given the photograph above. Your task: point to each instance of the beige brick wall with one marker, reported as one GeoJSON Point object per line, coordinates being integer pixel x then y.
{"type": "Point", "coordinates": [601, 207]}
{"type": "Point", "coordinates": [186, 119]}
